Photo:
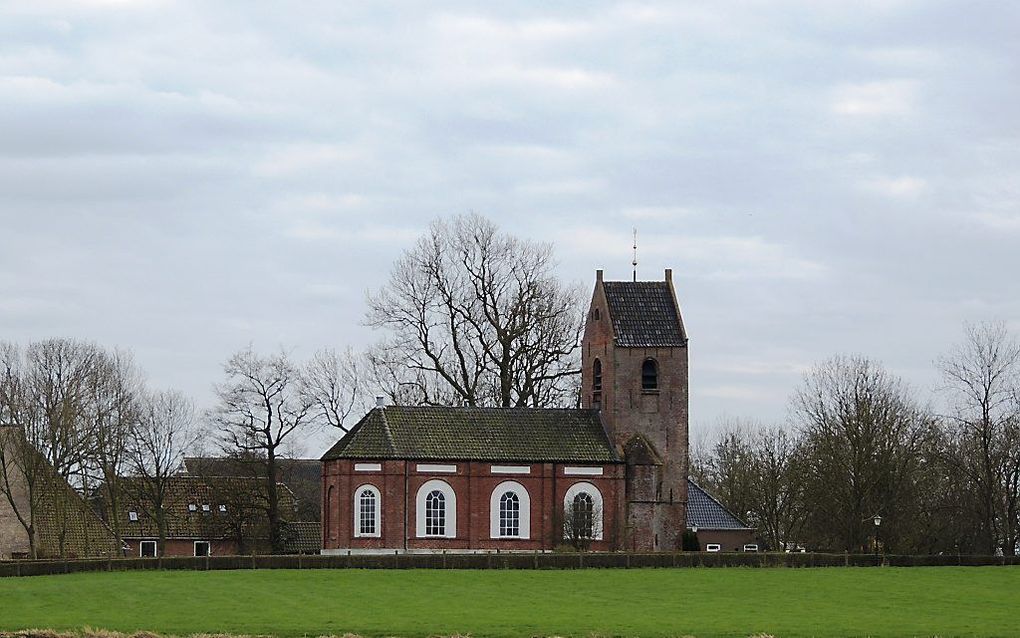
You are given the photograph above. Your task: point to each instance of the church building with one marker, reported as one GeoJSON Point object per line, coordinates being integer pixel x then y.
{"type": "Point", "coordinates": [611, 475]}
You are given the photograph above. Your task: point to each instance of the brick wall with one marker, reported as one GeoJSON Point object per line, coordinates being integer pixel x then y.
{"type": "Point", "coordinates": [473, 483]}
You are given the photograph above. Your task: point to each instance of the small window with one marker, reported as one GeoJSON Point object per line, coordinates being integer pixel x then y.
{"type": "Point", "coordinates": [509, 515]}
{"type": "Point", "coordinates": [205, 508]}
{"type": "Point", "coordinates": [649, 375]}
{"type": "Point", "coordinates": [223, 509]}
{"type": "Point", "coordinates": [713, 547]}
{"type": "Point", "coordinates": [147, 549]}
{"type": "Point", "coordinates": [596, 380]}
{"type": "Point", "coordinates": [751, 547]}
{"type": "Point", "coordinates": [435, 514]}
{"type": "Point", "coordinates": [595, 314]}
{"type": "Point", "coordinates": [202, 548]}
{"type": "Point", "coordinates": [192, 507]}
{"type": "Point", "coordinates": [133, 516]}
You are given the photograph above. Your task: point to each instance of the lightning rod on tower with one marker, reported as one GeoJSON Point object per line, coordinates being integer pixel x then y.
{"type": "Point", "coordinates": [634, 261]}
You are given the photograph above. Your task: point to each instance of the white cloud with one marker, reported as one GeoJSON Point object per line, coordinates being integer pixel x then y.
{"type": "Point", "coordinates": [904, 187]}
{"type": "Point", "coordinates": [875, 99]}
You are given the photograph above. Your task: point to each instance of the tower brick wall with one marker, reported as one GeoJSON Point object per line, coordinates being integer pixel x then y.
{"type": "Point", "coordinates": [648, 427]}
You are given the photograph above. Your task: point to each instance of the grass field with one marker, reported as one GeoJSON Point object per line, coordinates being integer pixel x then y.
{"type": "Point", "coordinates": [943, 601]}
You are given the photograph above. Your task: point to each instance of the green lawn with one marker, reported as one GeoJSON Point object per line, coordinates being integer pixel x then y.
{"type": "Point", "coordinates": [921, 601]}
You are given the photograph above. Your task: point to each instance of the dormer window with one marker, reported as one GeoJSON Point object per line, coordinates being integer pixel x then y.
{"type": "Point", "coordinates": [649, 375]}
{"type": "Point", "coordinates": [133, 516]}
{"type": "Point", "coordinates": [192, 507]}
{"type": "Point", "coordinates": [596, 381]}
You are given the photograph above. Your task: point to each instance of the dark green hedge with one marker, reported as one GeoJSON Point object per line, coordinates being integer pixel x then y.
{"type": "Point", "coordinates": [622, 560]}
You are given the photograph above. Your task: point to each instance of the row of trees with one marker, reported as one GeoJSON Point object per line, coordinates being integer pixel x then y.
{"type": "Point", "coordinates": [83, 416]}
{"type": "Point", "coordinates": [860, 444]}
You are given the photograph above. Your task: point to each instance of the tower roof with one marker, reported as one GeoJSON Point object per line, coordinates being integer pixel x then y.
{"type": "Point", "coordinates": [478, 434]}
{"type": "Point", "coordinates": [644, 314]}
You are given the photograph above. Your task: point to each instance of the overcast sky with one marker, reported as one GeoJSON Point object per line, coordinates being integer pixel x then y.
{"type": "Point", "coordinates": [183, 178]}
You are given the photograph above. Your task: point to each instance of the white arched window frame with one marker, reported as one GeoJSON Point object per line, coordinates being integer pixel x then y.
{"type": "Point", "coordinates": [367, 512]}
{"type": "Point", "coordinates": [502, 515]}
{"type": "Point", "coordinates": [449, 501]}
{"type": "Point", "coordinates": [598, 512]}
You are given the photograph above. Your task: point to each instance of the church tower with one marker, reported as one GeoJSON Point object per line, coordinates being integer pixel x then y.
{"type": "Point", "coordinates": [634, 369]}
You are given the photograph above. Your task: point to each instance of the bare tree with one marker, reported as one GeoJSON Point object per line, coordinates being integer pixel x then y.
{"type": "Point", "coordinates": [111, 412]}
{"type": "Point", "coordinates": [476, 317]}
{"type": "Point", "coordinates": [163, 430]}
{"type": "Point", "coordinates": [982, 386]}
{"type": "Point", "coordinates": [862, 433]}
{"type": "Point", "coordinates": [777, 492]}
{"type": "Point", "coordinates": [331, 382]}
{"type": "Point", "coordinates": [261, 406]}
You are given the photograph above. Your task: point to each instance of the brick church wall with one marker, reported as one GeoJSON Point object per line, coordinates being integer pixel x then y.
{"type": "Point", "coordinates": [473, 483]}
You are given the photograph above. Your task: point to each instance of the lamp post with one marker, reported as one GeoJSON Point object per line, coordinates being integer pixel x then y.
{"type": "Point", "coordinates": [878, 523]}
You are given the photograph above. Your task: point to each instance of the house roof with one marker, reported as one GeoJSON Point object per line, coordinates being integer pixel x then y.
{"type": "Point", "coordinates": [302, 476]}
{"type": "Point", "coordinates": [202, 507]}
{"type": "Point", "coordinates": [705, 512]}
{"type": "Point", "coordinates": [644, 314]}
{"type": "Point", "coordinates": [480, 434]}
{"type": "Point", "coordinates": [302, 537]}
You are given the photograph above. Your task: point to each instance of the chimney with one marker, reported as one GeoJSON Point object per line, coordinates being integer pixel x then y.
{"type": "Point", "coordinates": [380, 402]}
{"type": "Point", "coordinates": [598, 275]}
{"type": "Point", "coordinates": [669, 274]}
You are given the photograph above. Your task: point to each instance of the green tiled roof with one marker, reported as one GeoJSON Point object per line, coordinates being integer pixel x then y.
{"type": "Point", "coordinates": [478, 434]}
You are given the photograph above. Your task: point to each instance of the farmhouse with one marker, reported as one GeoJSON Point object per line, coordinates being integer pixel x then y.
{"type": "Point", "coordinates": [204, 515]}
{"type": "Point", "coordinates": [35, 497]}
{"type": "Point", "coordinates": [609, 475]}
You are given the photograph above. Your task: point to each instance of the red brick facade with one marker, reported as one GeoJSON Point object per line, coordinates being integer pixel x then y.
{"type": "Point", "coordinates": [399, 483]}
{"type": "Point", "coordinates": [179, 547]}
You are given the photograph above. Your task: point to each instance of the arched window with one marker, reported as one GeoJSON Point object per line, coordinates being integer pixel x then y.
{"type": "Point", "coordinates": [509, 515]}
{"type": "Point", "coordinates": [596, 380]}
{"type": "Point", "coordinates": [367, 512]}
{"type": "Point", "coordinates": [510, 511]}
{"type": "Point", "coordinates": [649, 375]}
{"type": "Point", "coordinates": [435, 514]}
{"type": "Point", "coordinates": [582, 512]}
{"type": "Point", "coordinates": [436, 510]}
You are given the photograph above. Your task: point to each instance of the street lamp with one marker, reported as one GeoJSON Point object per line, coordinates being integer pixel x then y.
{"type": "Point", "coordinates": [878, 522]}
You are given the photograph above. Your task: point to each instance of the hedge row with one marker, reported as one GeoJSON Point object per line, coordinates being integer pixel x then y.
{"type": "Point", "coordinates": [493, 561]}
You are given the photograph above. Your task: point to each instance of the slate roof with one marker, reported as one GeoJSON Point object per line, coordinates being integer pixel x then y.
{"type": "Point", "coordinates": [477, 434]}
{"type": "Point", "coordinates": [644, 314]}
{"type": "Point", "coordinates": [705, 512]}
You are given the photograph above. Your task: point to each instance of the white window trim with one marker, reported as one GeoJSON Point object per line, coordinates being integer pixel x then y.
{"type": "Point", "coordinates": [368, 467]}
{"type": "Point", "coordinates": [525, 502]}
{"type": "Point", "coordinates": [713, 547]}
{"type": "Point", "coordinates": [433, 468]}
{"type": "Point", "coordinates": [155, 548]}
{"type": "Point", "coordinates": [751, 547]}
{"type": "Point", "coordinates": [596, 498]}
{"type": "Point", "coordinates": [450, 513]}
{"type": "Point", "coordinates": [195, 552]}
{"type": "Point", "coordinates": [582, 471]}
{"type": "Point", "coordinates": [510, 469]}
{"type": "Point", "coordinates": [357, 511]}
